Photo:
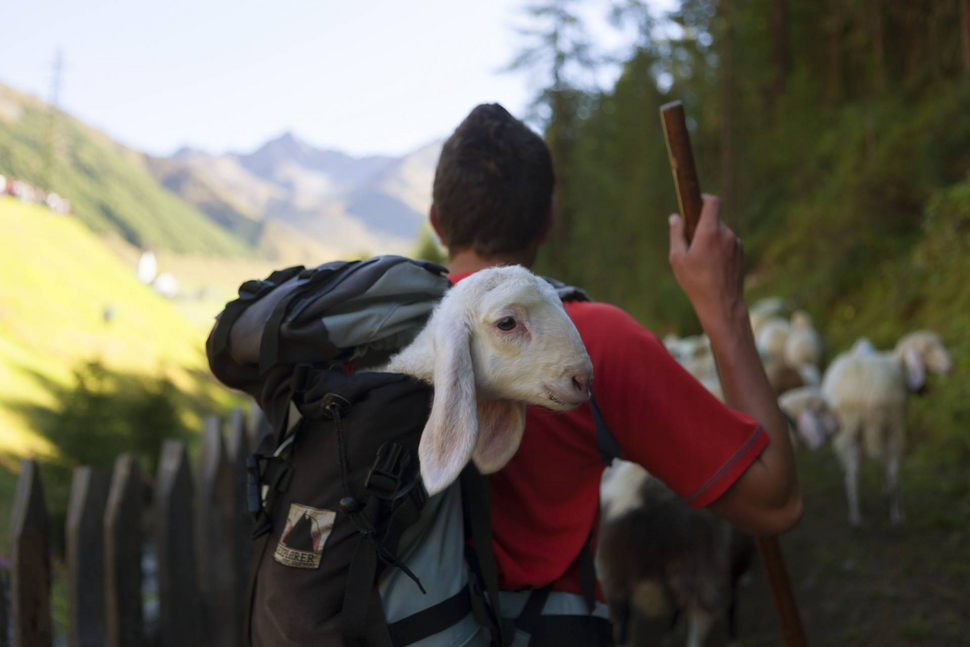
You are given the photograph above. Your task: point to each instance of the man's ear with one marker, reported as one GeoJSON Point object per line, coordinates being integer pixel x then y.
{"type": "Point", "coordinates": [500, 427]}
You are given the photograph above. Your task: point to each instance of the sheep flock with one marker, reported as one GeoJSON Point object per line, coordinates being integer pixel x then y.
{"type": "Point", "coordinates": [692, 568]}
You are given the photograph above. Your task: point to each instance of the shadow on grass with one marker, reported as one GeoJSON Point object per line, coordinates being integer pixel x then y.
{"type": "Point", "coordinates": [101, 414]}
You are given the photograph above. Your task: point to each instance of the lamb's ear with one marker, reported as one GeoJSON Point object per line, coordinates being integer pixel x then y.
{"type": "Point", "coordinates": [450, 436]}
{"type": "Point", "coordinates": [811, 430]}
{"type": "Point", "coordinates": [500, 427]}
{"type": "Point", "coordinates": [914, 369]}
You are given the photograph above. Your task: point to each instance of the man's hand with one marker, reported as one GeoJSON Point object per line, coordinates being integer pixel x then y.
{"type": "Point", "coordinates": [765, 499]}
{"type": "Point", "coordinates": [711, 269]}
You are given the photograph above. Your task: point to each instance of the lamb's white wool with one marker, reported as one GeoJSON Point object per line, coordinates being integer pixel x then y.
{"type": "Point", "coordinates": [814, 418]}
{"type": "Point", "coordinates": [620, 489]}
{"type": "Point", "coordinates": [772, 336]}
{"type": "Point", "coordinates": [869, 390]}
{"type": "Point", "coordinates": [804, 345]}
{"type": "Point", "coordinates": [500, 339]}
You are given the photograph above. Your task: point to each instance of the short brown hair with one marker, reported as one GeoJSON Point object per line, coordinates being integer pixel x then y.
{"type": "Point", "coordinates": [493, 184]}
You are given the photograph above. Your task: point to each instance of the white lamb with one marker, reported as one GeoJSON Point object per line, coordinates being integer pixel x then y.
{"type": "Point", "coordinates": [869, 390]}
{"type": "Point", "coordinates": [500, 339]}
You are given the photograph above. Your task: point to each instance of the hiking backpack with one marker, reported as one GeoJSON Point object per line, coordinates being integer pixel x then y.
{"type": "Point", "coordinates": [350, 550]}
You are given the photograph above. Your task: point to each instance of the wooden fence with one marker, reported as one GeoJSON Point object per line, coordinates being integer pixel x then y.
{"type": "Point", "coordinates": [200, 543]}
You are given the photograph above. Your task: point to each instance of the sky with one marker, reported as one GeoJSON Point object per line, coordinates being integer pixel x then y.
{"type": "Point", "coordinates": [227, 75]}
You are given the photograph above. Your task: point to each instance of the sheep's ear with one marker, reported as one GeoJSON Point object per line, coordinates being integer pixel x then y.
{"type": "Point", "coordinates": [500, 427]}
{"type": "Point", "coordinates": [810, 429]}
{"type": "Point", "coordinates": [915, 370]}
{"type": "Point", "coordinates": [451, 433]}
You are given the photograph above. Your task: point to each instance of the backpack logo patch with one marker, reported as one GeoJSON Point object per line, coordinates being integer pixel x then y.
{"type": "Point", "coordinates": [304, 536]}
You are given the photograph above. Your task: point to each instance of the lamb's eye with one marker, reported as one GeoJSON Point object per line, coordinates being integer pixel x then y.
{"type": "Point", "coordinates": [506, 324]}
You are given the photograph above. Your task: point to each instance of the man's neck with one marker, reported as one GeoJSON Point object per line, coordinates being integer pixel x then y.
{"type": "Point", "coordinates": [467, 260]}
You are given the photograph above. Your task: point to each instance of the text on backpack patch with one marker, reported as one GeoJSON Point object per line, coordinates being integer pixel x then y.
{"type": "Point", "coordinates": [304, 536]}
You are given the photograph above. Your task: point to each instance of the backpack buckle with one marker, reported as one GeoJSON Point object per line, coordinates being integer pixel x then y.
{"type": "Point", "coordinates": [390, 472]}
{"type": "Point", "coordinates": [265, 477]}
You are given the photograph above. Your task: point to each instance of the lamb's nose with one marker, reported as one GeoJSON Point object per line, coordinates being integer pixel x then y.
{"type": "Point", "coordinates": [581, 385]}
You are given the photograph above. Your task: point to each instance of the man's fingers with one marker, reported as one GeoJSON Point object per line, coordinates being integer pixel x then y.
{"type": "Point", "coordinates": [678, 242]}
{"type": "Point", "coordinates": [710, 213]}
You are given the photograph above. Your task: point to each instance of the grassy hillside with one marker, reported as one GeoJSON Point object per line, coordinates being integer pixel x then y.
{"type": "Point", "coordinates": [107, 184]}
{"type": "Point", "coordinates": [51, 320]}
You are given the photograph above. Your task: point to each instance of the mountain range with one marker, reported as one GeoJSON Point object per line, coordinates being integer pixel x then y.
{"type": "Point", "coordinates": [354, 204]}
{"type": "Point", "coordinates": [287, 202]}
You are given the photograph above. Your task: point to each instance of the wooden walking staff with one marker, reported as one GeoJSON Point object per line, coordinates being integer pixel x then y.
{"type": "Point", "coordinates": [689, 200]}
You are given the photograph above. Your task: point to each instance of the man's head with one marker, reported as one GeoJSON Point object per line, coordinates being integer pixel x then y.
{"type": "Point", "coordinates": [493, 186]}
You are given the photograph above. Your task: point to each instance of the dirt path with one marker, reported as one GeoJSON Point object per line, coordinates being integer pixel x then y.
{"type": "Point", "coordinates": [877, 585]}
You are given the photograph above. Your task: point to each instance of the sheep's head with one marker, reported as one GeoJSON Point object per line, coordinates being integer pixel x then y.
{"type": "Point", "coordinates": [919, 352]}
{"type": "Point", "coordinates": [500, 339]}
{"type": "Point", "coordinates": [814, 418]}
{"type": "Point", "coordinates": [801, 320]}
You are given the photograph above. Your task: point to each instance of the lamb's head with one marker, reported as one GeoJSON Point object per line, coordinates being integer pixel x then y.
{"type": "Point", "coordinates": [919, 352]}
{"type": "Point", "coordinates": [500, 339]}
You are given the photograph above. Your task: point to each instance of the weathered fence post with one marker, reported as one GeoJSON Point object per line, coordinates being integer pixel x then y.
{"type": "Point", "coordinates": [30, 545]}
{"type": "Point", "coordinates": [122, 555]}
{"type": "Point", "coordinates": [85, 558]}
{"type": "Point", "coordinates": [217, 525]}
{"type": "Point", "coordinates": [179, 617]}
{"type": "Point", "coordinates": [238, 448]}
{"type": "Point", "coordinates": [259, 426]}
{"type": "Point", "coordinates": [4, 626]}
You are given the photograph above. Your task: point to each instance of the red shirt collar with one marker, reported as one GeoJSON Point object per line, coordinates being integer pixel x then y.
{"type": "Point", "coordinates": [454, 278]}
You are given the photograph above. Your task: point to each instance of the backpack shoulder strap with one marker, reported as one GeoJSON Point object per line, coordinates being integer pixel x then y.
{"type": "Point", "coordinates": [606, 443]}
{"type": "Point", "coordinates": [476, 504]}
{"type": "Point", "coordinates": [567, 292]}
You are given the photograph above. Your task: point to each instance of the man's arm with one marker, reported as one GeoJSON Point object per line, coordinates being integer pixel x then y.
{"type": "Point", "coordinates": [765, 499]}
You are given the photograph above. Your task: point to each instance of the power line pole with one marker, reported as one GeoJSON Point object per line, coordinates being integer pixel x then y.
{"type": "Point", "coordinates": [51, 144]}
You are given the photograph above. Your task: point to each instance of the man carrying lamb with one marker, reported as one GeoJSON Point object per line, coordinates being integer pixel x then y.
{"type": "Point", "coordinates": [493, 206]}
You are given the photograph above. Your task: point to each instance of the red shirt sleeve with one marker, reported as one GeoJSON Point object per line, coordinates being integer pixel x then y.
{"type": "Point", "coordinates": [661, 416]}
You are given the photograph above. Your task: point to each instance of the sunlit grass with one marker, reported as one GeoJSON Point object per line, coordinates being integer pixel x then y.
{"type": "Point", "coordinates": [59, 279]}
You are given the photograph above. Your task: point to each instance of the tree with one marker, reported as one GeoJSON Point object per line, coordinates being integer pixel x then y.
{"type": "Point", "coordinates": [965, 35]}
{"type": "Point", "coordinates": [560, 51]}
{"type": "Point", "coordinates": [779, 52]}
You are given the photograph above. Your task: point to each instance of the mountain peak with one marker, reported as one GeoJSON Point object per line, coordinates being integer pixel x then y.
{"type": "Point", "coordinates": [287, 144]}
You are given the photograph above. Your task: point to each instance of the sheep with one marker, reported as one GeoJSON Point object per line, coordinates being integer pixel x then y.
{"type": "Point", "coordinates": [764, 310]}
{"type": "Point", "coordinates": [499, 339]}
{"type": "Point", "coordinates": [804, 345]}
{"type": "Point", "coordinates": [781, 376]}
{"type": "Point", "coordinates": [772, 336]}
{"type": "Point", "coordinates": [696, 355]}
{"type": "Point", "coordinates": [812, 417]}
{"type": "Point", "coordinates": [656, 556]}
{"type": "Point", "coordinates": [869, 390]}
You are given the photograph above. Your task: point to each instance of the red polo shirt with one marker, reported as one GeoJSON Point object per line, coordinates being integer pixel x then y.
{"type": "Point", "coordinates": [545, 501]}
